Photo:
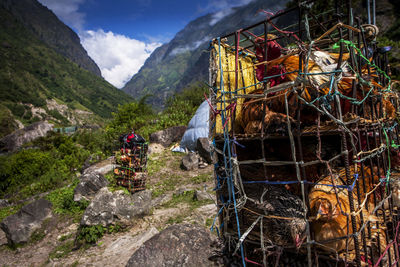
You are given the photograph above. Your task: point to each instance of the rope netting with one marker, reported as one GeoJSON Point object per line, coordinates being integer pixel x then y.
{"type": "Point", "coordinates": [130, 166]}
{"type": "Point", "coordinates": [304, 125]}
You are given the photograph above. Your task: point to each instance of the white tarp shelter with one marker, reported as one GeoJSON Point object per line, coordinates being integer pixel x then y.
{"type": "Point", "coordinates": [198, 127]}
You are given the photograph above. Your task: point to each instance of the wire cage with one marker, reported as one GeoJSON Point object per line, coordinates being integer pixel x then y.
{"type": "Point", "coordinates": [130, 167]}
{"type": "Point", "coordinates": [305, 127]}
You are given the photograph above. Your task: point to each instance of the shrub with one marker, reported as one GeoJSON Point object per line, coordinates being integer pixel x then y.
{"type": "Point", "coordinates": [57, 115]}
{"type": "Point", "coordinates": [138, 115]}
{"type": "Point", "coordinates": [23, 168]}
{"type": "Point", "coordinates": [91, 234]}
{"type": "Point", "coordinates": [52, 163]}
{"type": "Point", "coordinates": [7, 122]}
{"type": "Point", "coordinates": [63, 201]}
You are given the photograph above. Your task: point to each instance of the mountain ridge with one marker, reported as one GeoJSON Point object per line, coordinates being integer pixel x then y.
{"type": "Point", "coordinates": [43, 23]}
{"type": "Point", "coordinates": [38, 83]}
{"type": "Point", "coordinates": [184, 60]}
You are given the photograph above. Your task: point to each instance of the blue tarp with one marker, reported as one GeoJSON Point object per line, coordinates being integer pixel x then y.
{"type": "Point", "coordinates": [198, 127]}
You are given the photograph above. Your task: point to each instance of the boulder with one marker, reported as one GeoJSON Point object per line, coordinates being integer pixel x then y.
{"type": "Point", "coordinates": [3, 238]}
{"type": "Point", "coordinates": [177, 245]}
{"type": "Point", "coordinates": [19, 226]}
{"type": "Point", "coordinates": [15, 140]}
{"type": "Point", "coordinates": [161, 200]}
{"type": "Point", "coordinates": [90, 183]}
{"type": "Point", "coordinates": [168, 136]}
{"type": "Point", "coordinates": [190, 161]}
{"type": "Point", "coordinates": [118, 252]}
{"type": "Point", "coordinates": [200, 195]}
{"type": "Point", "coordinates": [203, 147]}
{"type": "Point", "coordinates": [102, 167]}
{"type": "Point", "coordinates": [155, 148]}
{"type": "Point", "coordinates": [108, 207]}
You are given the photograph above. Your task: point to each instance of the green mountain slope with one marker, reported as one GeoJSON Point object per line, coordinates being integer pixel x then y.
{"type": "Point", "coordinates": [45, 25]}
{"type": "Point", "coordinates": [32, 73]}
{"type": "Point", "coordinates": [184, 60]}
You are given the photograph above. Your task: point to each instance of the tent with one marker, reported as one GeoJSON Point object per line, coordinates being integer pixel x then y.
{"type": "Point", "coordinates": [198, 127]}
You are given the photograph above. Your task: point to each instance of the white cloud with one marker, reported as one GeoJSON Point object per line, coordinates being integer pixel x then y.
{"type": "Point", "coordinates": [67, 11]}
{"type": "Point", "coordinates": [117, 56]}
{"type": "Point", "coordinates": [220, 15]}
{"type": "Point", "coordinates": [221, 8]}
{"type": "Point", "coordinates": [189, 47]}
{"type": "Point", "coordinates": [217, 5]}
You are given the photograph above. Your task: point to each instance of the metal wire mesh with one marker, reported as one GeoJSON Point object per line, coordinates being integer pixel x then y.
{"type": "Point", "coordinates": [130, 170]}
{"type": "Point", "coordinates": [307, 142]}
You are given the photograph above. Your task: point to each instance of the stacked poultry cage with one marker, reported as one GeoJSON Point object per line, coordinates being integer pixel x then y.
{"type": "Point", "coordinates": [304, 124]}
{"type": "Point", "coordinates": [130, 168]}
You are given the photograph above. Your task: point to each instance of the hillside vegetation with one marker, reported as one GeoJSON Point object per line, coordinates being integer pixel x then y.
{"type": "Point", "coordinates": [45, 25]}
{"type": "Point", "coordinates": [54, 161]}
{"type": "Point", "coordinates": [184, 60]}
{"type": "Point", "coordinates": [32, 73]}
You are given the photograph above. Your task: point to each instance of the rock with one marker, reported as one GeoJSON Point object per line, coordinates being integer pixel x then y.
{"type": "Point", "coordinates": [19, 226]}
{"type": "Point", "coordinates": [119, 251]}
{"type": "Point", "coordinates": [190, 161]}
{"type": "Point", "coordinates": [183, 191]}
{"type": "Point", "coordinates": [4, 203]}
{"type": "Point", "coordinates": [15, 140]}
{"type": "Point", "coordinates": [201, 195]}
{"type": "Point", "coordinates": [107, 207]}
{"type": "Point", "coordinates": [102, 167]}
{"type": "Point", "coordinates": [177, 245]}
{"type": "Point", "coordinates": [90, 183]}
{"type": "Point", "coordinates": [161, 200]}
{"type": "Point", "coordinates": [70, 230]}
{"type": "Point", "coordinates": [168, 136]}
{"type": "Point", "coordinates": [3, 238]}
{"type": "Point", "coordinates": [203, 165]}
{"type": "Point", "coordinates": [203, 147]}
{"type": "Point", "coordinates": [155, 148]}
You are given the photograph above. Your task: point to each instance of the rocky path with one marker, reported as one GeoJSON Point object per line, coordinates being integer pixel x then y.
{"type": "Point", "coordinates": [166, 179]}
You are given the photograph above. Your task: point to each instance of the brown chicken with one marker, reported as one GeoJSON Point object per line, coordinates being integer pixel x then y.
{"type": "Point", "coordinates": [330, 208]}
{"type": "Point", "coordinates": [319, 62]}
{"type": "Point", "coordinates": [253, 117]}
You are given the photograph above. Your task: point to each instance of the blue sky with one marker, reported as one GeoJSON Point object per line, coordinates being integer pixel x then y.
{"type": "Point", "coordinates": [120, 35]}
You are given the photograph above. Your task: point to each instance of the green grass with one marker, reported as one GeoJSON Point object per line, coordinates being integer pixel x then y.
{"type": "Point", "coordinates": [167, 183]}
{"type": "Point", "coordinates": [113, 186]}
{"type": "Point", "coordinates": [91, 234]}
{"type": "Point", "coordinates": [62, 250]}
{"type": "Point", "coordinates": [177, 219]}
{"type": "Point", "coordinates": [65, 237]}
{"type": "Point", "coordinates": [190, 204]}
{"type": "Point", "coordinates": [38, 235]}
{"type": "Point", "coordinates": [10, 210]}
{"type": "Point", "coordinates": [163, 165]}
{"type": "Point", "coordinates": [63, 201]}
{"type": "Point", "coordinates": [156, 165]}
{"type": "Point", "coordinates": [169, 180]}
{"type": "Point", "coordinates": [202, 178]}
{"type": "Point", "coordinates": [187, 197]}
{"type": "Point", "coordinates": [209, 222]}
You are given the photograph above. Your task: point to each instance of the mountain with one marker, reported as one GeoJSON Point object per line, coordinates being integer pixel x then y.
{"type": "Point", "coordinates": [44, 24]}
{"type": "Point", "coordinates": [37, 82]}
{"type": "Point", "coordinates": [184, 59]}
